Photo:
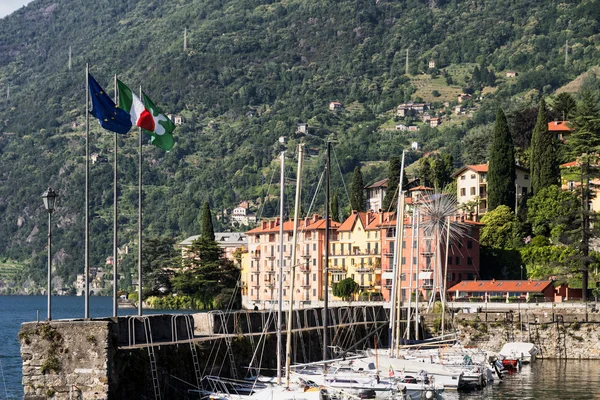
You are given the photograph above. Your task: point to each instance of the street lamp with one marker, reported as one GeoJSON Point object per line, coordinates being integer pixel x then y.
{"type": "Point", "coordinates": [49, 198]}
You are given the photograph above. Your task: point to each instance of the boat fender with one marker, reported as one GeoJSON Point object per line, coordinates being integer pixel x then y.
{"type": "Point", "coordinates": [497, 371]}
{"type": "Point", "coordinates": [429, 395]}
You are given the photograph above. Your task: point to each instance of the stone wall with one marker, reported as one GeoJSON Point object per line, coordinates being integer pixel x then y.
{"type": "Point", "coordinates": [66, 359]}
{"type": "Point", "coordinates": [558, 335]}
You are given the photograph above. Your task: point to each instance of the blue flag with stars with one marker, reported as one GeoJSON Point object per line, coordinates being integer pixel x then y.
{"type": "Point", "coordinates": [111, 117]}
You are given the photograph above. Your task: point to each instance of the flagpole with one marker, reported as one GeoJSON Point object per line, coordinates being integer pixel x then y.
{"type": "Point", "coordinates": [115, 288]}
{"type": "Point", "coordinates": [140, 218]}
{"type": "Point", "coordinates": [86, 272]}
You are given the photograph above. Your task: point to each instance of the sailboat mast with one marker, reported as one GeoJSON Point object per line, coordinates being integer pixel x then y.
{"type": "Point", "coordinates": [326, 279]}
{"type": "Point", "coordinates": [288, 346]}
{"type": "Point", "coordinates": [410, 275]}
{"type": "Point", "coordinates": [418, 216]}
{"type": "Point", "coordinates": [444, 277]}
{"type": "Point", "coordinates": [280, 283]}
{"type": "Point", "coordinates": [399, 227]}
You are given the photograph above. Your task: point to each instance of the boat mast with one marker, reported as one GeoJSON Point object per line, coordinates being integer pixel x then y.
{"type": "Point", "coordinates": [288, 347]}
{"type": "Point", "coordinates": [280, 283]}
{"type": "Point", "coordinates": [410, 275]}
{"type": "Point", "coordinates": [399, 228]}
{"type": "Point", "coordinates": [418, 215]}
{"type": "Point", "coordinates": [445, 275]}
{"type": "Point", "coordinates": [326, 295]}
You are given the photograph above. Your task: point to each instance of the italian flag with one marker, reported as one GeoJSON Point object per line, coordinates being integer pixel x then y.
{"type": "Point", "coordinates": [147, 116]}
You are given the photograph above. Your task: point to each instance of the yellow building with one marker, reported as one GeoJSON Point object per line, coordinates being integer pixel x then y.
{"type": "Point", "coordinates": [355, 252]}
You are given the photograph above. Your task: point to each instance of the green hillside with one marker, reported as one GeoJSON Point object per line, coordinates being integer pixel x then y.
{"type": "Point", "coordinates": [252, 71]}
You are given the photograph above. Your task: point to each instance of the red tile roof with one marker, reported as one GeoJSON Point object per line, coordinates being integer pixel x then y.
{"type": "Point", "coordinates": [569, 164]}
{"type": "Point", "coordinates": [421, 188]}
{"type": "Point", "coordinates": [288, 226]}
{"type": "Point", "coordinates": [559, 126]}
{"type": "Point", "coordinates": [381, 183]}
{"type": "Point", "coordinates": [501, 286]}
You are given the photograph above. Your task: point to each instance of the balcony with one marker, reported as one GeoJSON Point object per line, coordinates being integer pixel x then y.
{"type": "Point", "coordinates": [365, 269]}
{"type": "Point", "coordinates": [270, 285]}
{"type": "Point", "coordinates": [305, 285]}
{"type": "Point", "coordinates": [305, 255]}
{"type": "Point", "coordinates": [304, 268]}
{"type": "Point", "coordinates": [271, 257]}
{"type": "Point", "coordinates": [427, 253]}
{"type": "Point", "coordinates": [270, 272]}
{"type": "Point", "coordinates": [388, 252]}
{"type": "Point", "coordinates": [256, 256]}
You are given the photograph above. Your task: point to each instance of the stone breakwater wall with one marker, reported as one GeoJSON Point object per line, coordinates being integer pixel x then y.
{"type": "Point", "coordinates": [571, 335]}
{"type": "Point", "coordinates": [66, 360]}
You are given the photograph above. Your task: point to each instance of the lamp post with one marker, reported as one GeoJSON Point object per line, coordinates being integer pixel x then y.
{"type": "Point", "coordinates": [49, 198]}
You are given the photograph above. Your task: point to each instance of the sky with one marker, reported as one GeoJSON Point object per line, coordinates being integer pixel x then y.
{"type": "Point", "coordinates": [8, 6]}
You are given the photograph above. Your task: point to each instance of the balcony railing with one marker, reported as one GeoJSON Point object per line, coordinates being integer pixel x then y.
{"type": "Point", "coordinates": [363, 270]}
{"type": "Point", "coordinates": [304, 268]}
{"type": "Point", "coordinates": [388, 252]}
{"type": "Point", "coordinates": [256, 256]}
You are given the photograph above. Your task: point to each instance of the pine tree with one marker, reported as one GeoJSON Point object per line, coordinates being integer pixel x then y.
{"type": "Point", "coordinates": [207, 231]}
{"type": "Point", "coordinates": [584, 145]}
{"type": "Point", "coordinates": [501, 170]}
{"type": "Point", "coordinates": [564, 106]}
{"type": "Point", "coordinates": [358, 201]}
{"type": "Point", "coordinates": [544, 165]}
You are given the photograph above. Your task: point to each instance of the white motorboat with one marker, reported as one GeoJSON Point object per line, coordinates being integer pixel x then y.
{"type": "Point", "coordinates": [513, 353]}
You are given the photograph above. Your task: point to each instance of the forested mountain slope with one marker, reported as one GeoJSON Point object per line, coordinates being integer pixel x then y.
{"type": "Point", "coordinates": [251, 72]}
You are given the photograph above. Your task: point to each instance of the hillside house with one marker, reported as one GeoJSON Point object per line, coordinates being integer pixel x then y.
{"type": "Point", "coordinates": [335, 105]}
{"type": "Point", "coordinates": [176, 119]}
{"type": "Point", "coordinates": [561, 129]}
{"type": "Point", "coordinates": [458, 110]}
{"type": "Point", "coordinates": [433, 122]}
{"type": "Point", "coordinates": [463, 97]}
{"type": "Point", "coordinates": [375, 194]}
{"type": "Point", "coordinates": [431, 64]}
{"type": "Point", "coordinates": [426, 117]}
{"type": "Point", "coordinates": [413, 128]}
{"type": "Point", "coordinates": [410, 108]}
{"type": "Point", "coordinates": [511, 74]}
{"type": "Point", "coordinates": [302, 128]}
{"type": "Point", "coordinates": [569, 181]}
{"type": "Point", "coordinates": [401, 127]}
{"type": "Point", "coordinates": [242, 215]}
{"type": "Point", "coordinates": [471, 186]}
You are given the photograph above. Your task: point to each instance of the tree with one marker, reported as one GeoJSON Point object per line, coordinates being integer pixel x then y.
{"type": "Point", "coordinates": [358, 201]}
{"type": "Point", "coordinates": [390, 199]}
{"type": "Point", "coordinates": [543, 162]}
{"type": "Point", "coordinates": [207, 231]}
{"type": "Point", "coordinates": [501, 170]}
{"type": "Point", "coordinates": [334, 206]}
{"type": "Point", "coordinates": [159, 257]}
{"type": "Point", "coordinates": [345, 289]}
{"type": "Point", "coordinates": [205, 273]}
{"type": "Point", "coordinates": [501, 228]}
{"type": "Point", "coordinates": [564, 106]}
{"type": "Point", "coordinates": [553, 212]}
{"type": "Point", "coordinates": [584, 145]}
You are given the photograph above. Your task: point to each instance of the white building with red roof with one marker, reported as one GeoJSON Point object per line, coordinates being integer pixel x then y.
{"type": "Point", "coordinates": [471, 185]}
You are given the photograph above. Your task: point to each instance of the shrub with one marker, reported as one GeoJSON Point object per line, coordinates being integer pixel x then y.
{"type": "Point", "coordinates": [497, 299]}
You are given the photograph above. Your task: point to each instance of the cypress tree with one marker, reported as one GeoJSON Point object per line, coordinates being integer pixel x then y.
{"type": "Point", "coordinates": [334, 206]}
{"type": "Point", "coordinates": [358, 200]}
{"type": "Point", "coordinates": [392, 183]}
{"type": "Point", "coordinates": [501, 169]}
{"type": "Point", "coordinates": [207, 229]}
{"type": "Point", "coordinates": [544, 165]}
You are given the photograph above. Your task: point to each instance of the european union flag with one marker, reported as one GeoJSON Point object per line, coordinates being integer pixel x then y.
{"type": "Point", "coordinates": [111, 117]}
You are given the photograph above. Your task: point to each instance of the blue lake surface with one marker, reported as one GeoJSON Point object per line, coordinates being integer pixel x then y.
{"type": "Point", "coordinates": [543, 380]}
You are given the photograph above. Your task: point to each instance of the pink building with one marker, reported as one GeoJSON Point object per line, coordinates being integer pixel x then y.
{"type": "Point", "coordinates": [262, 277]}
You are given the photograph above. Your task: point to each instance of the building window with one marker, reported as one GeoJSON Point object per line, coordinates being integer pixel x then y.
{"type": "Point", "coordinates": [526, 177]}
{"type": "Point", "coordinates": [314, 277]}
{"type": "Point", "coordinates": [314, 292]}
{"type": "Point", "coordinates": [404, 244]}
{"type": "Point", "coordinates": [414, 260]}
{"type": "Point", "coordinates": [469, 261]}
{"type": "Point", "coordinates": [335, 262]}
{"type": "Point", "coordinates": [284, 292]}
{"type": "Point", "coordinates": [314, 262]}
{"type": "Point", "coordinates": [472, 176]}
{"type": "Point", "coordinates": [462, 178]}
{"type": "Point", "coordinates": [469, 244]}
{"type": "Point", "coordinates": [463, 191]}
{"type": "Point", "coordinates": [314, 247]}
{"type": "Point", "coordinates": [252, 278]}
{"type": "Point", "coordinates": [403, 260]}
{"type": "Point", "coordinates": [457, 260]}
{"type": "Point", "coordinates": [251, 292]}
{"type": "Point", "coordinates": [472, 191]}
{"type": "Point", "coordinates": [403, 277]}
{"type": "Point", "coordinates": [449, 260]}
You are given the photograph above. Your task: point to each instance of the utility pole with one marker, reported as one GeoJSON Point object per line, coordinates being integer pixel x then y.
{"type": "Point", "coordinates": [406, 64]}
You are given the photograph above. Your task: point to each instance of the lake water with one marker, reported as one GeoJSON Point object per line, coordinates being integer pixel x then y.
{"type": "Point", "coordinates": [544, 380]}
